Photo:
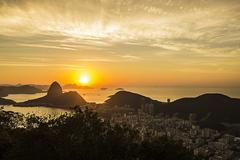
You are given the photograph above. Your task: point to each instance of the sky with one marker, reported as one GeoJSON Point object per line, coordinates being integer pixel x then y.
{"type": "Point", "coordinates": [123, 42]}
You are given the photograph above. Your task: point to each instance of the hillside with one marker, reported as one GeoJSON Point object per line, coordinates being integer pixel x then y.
{"type": "Point", "coordinates": [56, 98]}
{"type": "Point", "coordinates": [4, 101]}
{"type": "Point", "coordinates": [210, 110]}
{"type": "Point", "coordinates": [25, 89]}
{"type": "Point", "coordinates": [134, 100]}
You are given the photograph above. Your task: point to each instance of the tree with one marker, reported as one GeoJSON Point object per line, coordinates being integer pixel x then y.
{"type": "Point", "coordinates": [79, 136]}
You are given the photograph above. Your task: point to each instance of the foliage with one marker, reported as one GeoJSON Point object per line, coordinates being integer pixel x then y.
{"type": "Point", "coordinates": [79, 136]}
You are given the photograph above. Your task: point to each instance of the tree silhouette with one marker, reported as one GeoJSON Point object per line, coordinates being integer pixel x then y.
{"type": "Point", "coordinates": [81, 135]}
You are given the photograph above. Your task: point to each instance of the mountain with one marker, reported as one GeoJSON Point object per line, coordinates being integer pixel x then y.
{"type": "Point", "coordinates": [56, 98]}
{"type": "Point", "coordinates": [54, 90]}
{"type": "Point", "coordinates": [4, 101]}
{"type": "Point", "coordinates": [3, 94]}
{"type": "Point", "coordinates": [39, 86]}
{"type": "Point", "coordinates": [134, 100]}
{"type": "Point", "coordinates": [24, 89]}
{"type": "Point", "coordinates": [212, 107]}
{"type": "Point", "coordinates": [209, 110]}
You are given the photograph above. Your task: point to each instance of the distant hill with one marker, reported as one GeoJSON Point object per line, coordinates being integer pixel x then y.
{"type": "Point", "coordinates": [42, 87]}
{"type": "Point", "coordinates": [25, 89]}
{"type": "Point", "coordinates": [216, 108]}
{"type": "Point", "coordinates": [211, 110]}
{"type": "Point", "coordinates": [3, 94]}
{"type": "Point", "coordinates": [56, 98]}
{"type": "Point", "coordinates": [134, 100]}
{"type": "Point", "coordinates": [4, 101]}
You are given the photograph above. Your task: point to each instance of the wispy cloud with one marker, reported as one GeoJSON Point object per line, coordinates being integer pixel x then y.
{"type": "Point", "coordinates": [47, 46]}
{"type": "Point", "coordinates": [166, 33]}
{"type": "Point", "coordinates": [100, 24]}
{"type": "Point", "coordinates": [24, 65]}
{"type": "Point", "coordinates": [96, 60]}
{"type": "Point", "coordinates": [131, 58]}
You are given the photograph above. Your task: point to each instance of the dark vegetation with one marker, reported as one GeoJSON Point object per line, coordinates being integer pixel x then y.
{"type": "Point", "coordinates": [81, 135]}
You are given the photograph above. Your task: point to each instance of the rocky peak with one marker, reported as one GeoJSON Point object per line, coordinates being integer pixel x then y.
{"type": "Point", "coordinates": [55, 90]}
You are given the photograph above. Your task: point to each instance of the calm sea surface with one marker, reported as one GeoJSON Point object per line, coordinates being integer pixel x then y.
{"type": "Point", "coordinates": [99, 96]}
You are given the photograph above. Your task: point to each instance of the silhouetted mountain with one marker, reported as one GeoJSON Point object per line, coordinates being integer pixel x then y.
{"type": "Point", "coordinates": [4, 101]}
{"type": "Point", "coordinates": [134, 100]}
{"type": "Point", "coordinates": [39, 86]}
{"type": "Point", "coordinates": [25, 89]}
{"type": "Point", "coordinates": [56, 98]}
{"type": "Point", "coordinates": [3, 94]}
{"type": "Point", "coordinates": [54, 90]}
{"type": "Point", "coordinates": [211, 110]}
{"type": "Point", "coordinates": [211, 107]}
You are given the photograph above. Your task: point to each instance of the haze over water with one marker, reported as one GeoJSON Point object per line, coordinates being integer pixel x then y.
{"type": "Point", "coordinates": [99, 96]}
{"type": "Point", "coordinates": [158, 93]}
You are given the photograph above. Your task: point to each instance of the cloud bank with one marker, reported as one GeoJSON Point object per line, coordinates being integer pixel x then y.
{"type": "Point", "coordinates": [196, 34]}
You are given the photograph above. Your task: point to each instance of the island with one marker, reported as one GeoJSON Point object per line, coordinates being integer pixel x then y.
{"type": "Point", "coordinates": [4, 101]}
{"type": "Point", "coordinates": [23, 89]}
{"type": "Point", "coordinates": [56, 98]}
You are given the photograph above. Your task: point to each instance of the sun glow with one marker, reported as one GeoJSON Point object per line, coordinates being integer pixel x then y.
{"type": "Point", "coordinates": [84, 79]}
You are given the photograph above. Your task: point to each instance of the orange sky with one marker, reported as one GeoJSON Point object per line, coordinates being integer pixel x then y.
{"type": "Point", "coordinates": [129, 42]}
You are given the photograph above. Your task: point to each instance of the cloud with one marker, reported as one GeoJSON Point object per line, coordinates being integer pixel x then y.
{"type": "Point", "coordinates": [40, 65]}
{"type": "Point", "coordinates": [24, 64]}
{"type": "Point", "coordinates": [46, 46]}
{"type": "Point", "coordinates": [96, 60]}
{"type": "Point", "coordinates": [121, 21]}
{"type": "Point", "coordinates": [205, 32]}
{"type": "Point", "coordinates": [131, 58]}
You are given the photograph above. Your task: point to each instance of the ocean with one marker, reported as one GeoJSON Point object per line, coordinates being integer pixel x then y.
{"type": "Point", "coordinates": [100, 95]}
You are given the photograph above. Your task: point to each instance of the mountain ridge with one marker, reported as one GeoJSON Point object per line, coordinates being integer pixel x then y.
{"type": "Point", "coordinates": [210, 109]}
{"type": "Point", "coordinates": [56, 98]}
{"type": "Point", "coordinates": [4, 101]}
{"type": "Point", "coordinates": [23, 89]}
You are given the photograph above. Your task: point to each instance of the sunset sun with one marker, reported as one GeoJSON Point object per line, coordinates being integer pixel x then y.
{"type": "Point", "coordinates": [84, 79]}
